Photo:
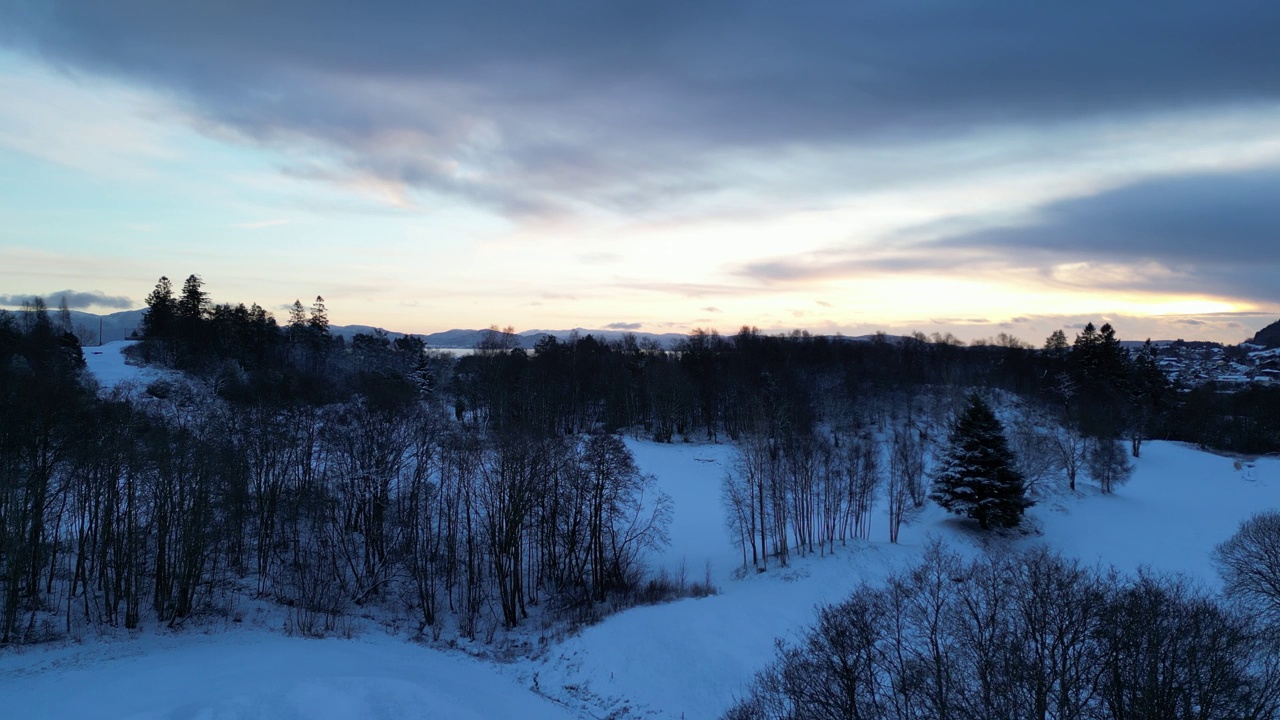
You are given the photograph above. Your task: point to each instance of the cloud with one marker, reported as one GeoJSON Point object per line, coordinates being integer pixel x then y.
{"type": "Point", "coordinates": [76, 300]}
{"type": "Point", "coordinates": [624, 326]}
{"type": "Point", "coordinates": [711, 309]}
{"type": "Point", "coordinates": [538, 110]}
{"type": "Point", "coordinates": [1209, 233]}
{"type": "Point", "coordinates": [960, 321]}
{"type": "Point", "coordinates": [691, 290]}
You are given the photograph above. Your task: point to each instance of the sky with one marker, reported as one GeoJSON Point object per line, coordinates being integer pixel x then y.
{"type": "Point", "coordinates": [973, 168]}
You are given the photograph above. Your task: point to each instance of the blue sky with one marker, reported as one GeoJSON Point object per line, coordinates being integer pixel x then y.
{"type": "Point", "coordinates": [936, 166]}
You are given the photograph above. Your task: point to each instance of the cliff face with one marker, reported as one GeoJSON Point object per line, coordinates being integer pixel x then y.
{"type": "Point", "coordinates": [1268, 336]}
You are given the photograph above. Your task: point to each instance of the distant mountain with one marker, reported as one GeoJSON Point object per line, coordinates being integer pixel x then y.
{"type": "Point", "coordinates": [349, 331]}
{"type": "Point", "coordinates": [665, 339]}
{"type": "Point", "coordinates": [1268, 337]}
{"type": "Point", "coordinates": [121, 325]}
{"type": "Point", "coordinates": [529, 338]}
{"type": "Point", "coordinates": [116, 326]}
{"type": "Point", "coordinates": [456, 339]}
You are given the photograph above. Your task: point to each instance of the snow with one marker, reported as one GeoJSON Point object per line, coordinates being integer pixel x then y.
{"type": "Point", "coordinates": [254, 674]}
{"type": "Point", "coordinates": [108, 366]}
{"type": "Point", "coordinates": [692, 658]}
{"type": "Point", "coordinates": [1180, 504]}
{"type": "Point", "coordinates": [687, 659]}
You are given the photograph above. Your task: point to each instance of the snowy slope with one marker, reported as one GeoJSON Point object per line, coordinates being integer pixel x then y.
{"type": "Point", "coordinates": [684, 659]}
{"type": "Point", "coordinates": [108, 366]}
{"type": "Point", "coordinates": [253, 674]}
{"type": "Point", "coordinates": [1180, 504]}
{"type": "Point", "coordinates": [691, 658]}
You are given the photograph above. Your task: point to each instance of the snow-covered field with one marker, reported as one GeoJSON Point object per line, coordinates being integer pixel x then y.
{"type": "Point", "coordinates": [687, 659]}
{"type": "Point", "coordinates": [108, 366]}
{"type": "Point", "coordinates": [256, 674]}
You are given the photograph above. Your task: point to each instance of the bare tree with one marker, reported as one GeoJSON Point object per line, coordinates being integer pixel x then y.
{"type": "Point", "coordinates": [906, 470]}
{"type": "Point", "coordinates": [737, 494]}
{"type": "Point", "coordinates": [1036, 449]}
{"type": "Point", "coordinates": [1071, 447]}
{"type": "Point", "coordinates": [1249, 564]}
{"type": "Point", "coordinates": [862, 470]}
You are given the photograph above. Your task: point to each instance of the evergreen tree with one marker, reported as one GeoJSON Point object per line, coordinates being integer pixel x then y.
{"type": "Point", "coordinates": [977, 477]}
{"type": "Point", "coordinates": [193, 306]}
{"type": "Point", "coordinates": [319, 321]}
{"type": "Point", "coordinates": [1055, 346]}
{"type": "Point", "coordinates": [162, 310]}
{"type": "Point", "coordinates": [194, 310]}
{"type": "Point", "coordinates": [297, 317]}
{"type": "Point", "coordinates": [1150, 395]}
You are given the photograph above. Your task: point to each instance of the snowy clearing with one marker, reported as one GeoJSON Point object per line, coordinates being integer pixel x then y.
{"type": "Point", "coordinates": [108, 365]}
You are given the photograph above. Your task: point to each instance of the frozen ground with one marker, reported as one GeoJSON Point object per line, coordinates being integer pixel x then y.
{"type": "Point", "coordinates": [687, 659]}
{"type": "Point", "coordinates": [108, 366]}
{"type": "Point", "coordinates": [690, 659]}
{"type": "Point", "coordinates": [256, 674]}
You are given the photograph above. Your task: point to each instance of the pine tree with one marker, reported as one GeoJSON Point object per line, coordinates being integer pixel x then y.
{"type": "Point", "coordinates": [193, 306]}
{"type": "Point", "coordinates": [297, 316]}
{"type": "Point", "coordinates": [162, 311]}
{"type": "Point", "coordinates": [194, 310]}
{"type": "Point", "coordinates": [977, 477]}
{"type": "Point", "coordinates": [1149, 395]}
{"type": "Point", "coordinates": [1055, 346]}
{"type": "Point", "coordinates": [319, 321]}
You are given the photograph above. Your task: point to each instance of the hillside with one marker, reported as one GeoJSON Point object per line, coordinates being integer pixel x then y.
{"type": "Point", "coordinates": [687, 659]}
{"type": "Point", "coordinates": [1268, 337]}
{"type": "Point", "coordinates": [402, 655]}
{"type": "Point", "coordinates": [115, 326]}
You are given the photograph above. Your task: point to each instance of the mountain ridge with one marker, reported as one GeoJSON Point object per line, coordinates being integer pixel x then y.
{"type": "Point", "coordinates": [1268, 337]}
{"type": "Point", "coordinates": [121, 325]}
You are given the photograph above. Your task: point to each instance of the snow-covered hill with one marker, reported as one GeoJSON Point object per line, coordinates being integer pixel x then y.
{"type": "Point", "coordinates": [687, 659]}
{"type": "Point", "coordinates": [690, 659]}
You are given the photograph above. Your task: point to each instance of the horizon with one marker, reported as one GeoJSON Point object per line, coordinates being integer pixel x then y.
{"type": "Point", "coordinates": [1033, 343]}
{"type": "Point", "coordinates": [840, 169]}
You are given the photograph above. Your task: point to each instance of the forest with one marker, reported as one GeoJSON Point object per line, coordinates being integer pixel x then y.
{"type": "Point", "coordinates": [470, 494]}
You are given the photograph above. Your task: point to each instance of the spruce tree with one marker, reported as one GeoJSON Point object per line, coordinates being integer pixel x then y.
{"type": "Point", "coordinates": [319, 321]}
{"type": "Point", "coordinates": [162, 312]}
{"type": "Point", "coordinates": [977, 477]}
